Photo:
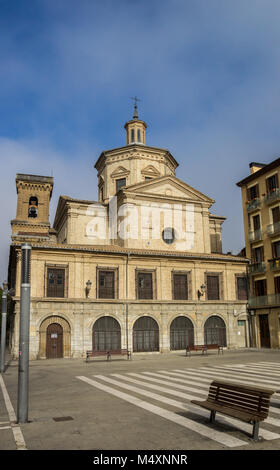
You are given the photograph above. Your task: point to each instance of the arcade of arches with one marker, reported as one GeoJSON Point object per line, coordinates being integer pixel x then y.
{"type": "Point", "coordinates": [55, 335]}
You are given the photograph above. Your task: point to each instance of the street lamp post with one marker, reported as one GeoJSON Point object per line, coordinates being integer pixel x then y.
{"type": "Point", "coordinates": [4, 325]}
{"type": "Point", "coordinates": [23, 364]}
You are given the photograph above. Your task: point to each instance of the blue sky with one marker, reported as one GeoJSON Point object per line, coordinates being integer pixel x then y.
{"type": "Point", "coordinates": [206, 71]}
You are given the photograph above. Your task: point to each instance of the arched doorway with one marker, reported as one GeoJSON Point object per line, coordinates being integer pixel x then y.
{"type": "Point", "coordinates": [54, 347]}
{"type": "Point", "coordinates": [181, 333]}
{"type": "Point", "coordinates": [106, 334]}
{"type": "Point", "coordinates": [54, 338]}
{"type": "Point", "coordinates": [145, 335]}
{"type": "Point", "coordinates": [215, 331]}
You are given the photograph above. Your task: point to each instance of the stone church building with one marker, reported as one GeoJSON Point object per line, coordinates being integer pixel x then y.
{"type": "Point", "coordinates": [141, 268]}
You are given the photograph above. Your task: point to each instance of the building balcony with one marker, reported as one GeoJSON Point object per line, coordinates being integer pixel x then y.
{"type": "Point", "coordinates": [255, 236]}
{"type": "Point", "coordinates": [273, 229]}
{"type": "Point", "coordinates": [274, 264]}
{"type": "Point", "coordinates": [272, 196]}
{"type": "Point", "coordinates": [253, 205]}
{"type": "Point", "coordinates": [256, 268]}
{"type": "Point", "coordinates": [264, 300]}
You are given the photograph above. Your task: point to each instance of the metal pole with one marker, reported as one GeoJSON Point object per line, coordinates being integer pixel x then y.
{"type": "Point", "coordinates": [3, 327]}
{"type": "Point", "coordinates": [23, 366]}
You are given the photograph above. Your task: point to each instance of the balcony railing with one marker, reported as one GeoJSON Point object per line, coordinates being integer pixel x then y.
{"type": "Point", "coordinates": [257, 268]}
{"type": "Point", "coordinates": [264, 300]}
{"type": "Point", "coordinates": [272, 196]}
{"type": "Point", "coordinates": [254, 204]}
{"type": "Point", "coordinates": [273, 229]}
{"type": "Point", "coordinates": [255, 236]}
{"type": "Point", "coordinates": [274, 264]}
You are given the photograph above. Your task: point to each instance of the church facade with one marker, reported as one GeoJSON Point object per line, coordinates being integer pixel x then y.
{"type": "Point", "coordinates": [142, 268]}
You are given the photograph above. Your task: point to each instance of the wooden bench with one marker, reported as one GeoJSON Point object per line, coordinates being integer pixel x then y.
{"type": "Point", "coordinates": [108, 353]}
{"type": "Point", "coordinates": [204, 348]}
{"type": "Point", "coordinates": [119, 352]}
{"type": "Point", "coordinates": [244, 402]}
{"type": "Point", "coordinates": [96, 353]}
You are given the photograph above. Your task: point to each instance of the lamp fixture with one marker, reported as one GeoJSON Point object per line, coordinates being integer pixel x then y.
{"type": "Point", "coordinates": [88, 287]}
{"type": "Point", "coordinates": [201, 291]}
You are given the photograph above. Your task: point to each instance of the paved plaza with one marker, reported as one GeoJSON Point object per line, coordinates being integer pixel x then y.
{"type": "Point", "coordinates": [144, 403]}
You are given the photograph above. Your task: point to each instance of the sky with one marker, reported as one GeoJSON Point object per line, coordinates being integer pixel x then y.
{"type": "Point", "coordinates": [206, 72]}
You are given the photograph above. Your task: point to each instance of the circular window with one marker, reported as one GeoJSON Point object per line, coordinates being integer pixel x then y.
{"type": "Point", "coordinates": [168, 235]}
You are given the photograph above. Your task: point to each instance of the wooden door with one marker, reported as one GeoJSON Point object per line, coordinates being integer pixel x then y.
{"type": "Point", "coordinates": [264, 331]}
{"type": "Point", "coordinates": [54, 343]}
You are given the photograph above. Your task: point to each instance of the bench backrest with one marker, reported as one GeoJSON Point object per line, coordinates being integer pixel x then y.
{"type": "Point", "coordinates": [242, 397]}
{"type": "Point", "coordinates": [212, 346]}
{"type": "Point", "coordinates": [118, 351]}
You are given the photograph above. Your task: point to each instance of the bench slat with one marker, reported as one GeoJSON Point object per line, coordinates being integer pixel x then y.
{"type": "Point", "coordinates": [239, 414]}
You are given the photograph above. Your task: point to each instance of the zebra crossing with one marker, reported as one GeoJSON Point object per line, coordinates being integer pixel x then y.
{"type": "Point", "coordinates": [166, 393]}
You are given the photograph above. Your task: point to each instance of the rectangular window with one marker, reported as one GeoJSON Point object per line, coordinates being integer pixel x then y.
{"type": "Point", "coordinates": [260, 288]}
{"type": "Point", "coordinates": [272, 183]}
{"type": "Point", "coordinates": [242, 291]}
{"type": "Point", "coordinates": [145, 285]}
{"type": "Point", "coordinates": [276, 250]}
{"type": "Point", "coordinates": [120, 183]}
{"type": "Point", "coordinates": [277, 284]}
{"type": "Point", "coordinates": [180, 286]}
{"type": "Point", "coordinates": [258, 254]}
{"type": "Point", "coordinates": [256, 222]}
{"type": "Point", "coordinates": [213, 291]}
{"type": "Point", "coordinates": [253, 192]}
{"type": "Point", "coordinates": [55, 282]}
{"type": "Point", "coordinates": [106, 284]}
{"type": "Point", "coordinates": [276, 214]}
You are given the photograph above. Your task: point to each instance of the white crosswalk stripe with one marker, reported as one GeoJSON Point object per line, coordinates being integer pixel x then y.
{"type": "Point", "coordinates": [210, 372]}
{"type": "Point", "coordinates": [189, 384]}
{"type": "Point", "coordinates": [251, 370]}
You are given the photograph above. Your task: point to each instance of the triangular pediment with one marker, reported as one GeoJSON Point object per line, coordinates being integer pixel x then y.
{"type": "Point", "coordinates": [120, 171]}
{"type": "Point", "coordinates": [169, 187]}
{"type": "Point", "coordinates": [151, 171]}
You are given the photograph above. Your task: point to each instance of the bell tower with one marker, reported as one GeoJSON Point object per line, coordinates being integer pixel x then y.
{"type": "Point", "coordinates": [33, 202]}
{"type": "Point", "coordinates": [135, 129]}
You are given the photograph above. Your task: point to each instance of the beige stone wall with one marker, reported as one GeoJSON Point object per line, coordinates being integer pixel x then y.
{"type": "Point", "coordinates": [78, 318]}
{"type": "Point", "coordinates": [81, 312]}
{"type": "Point", "coordinates": [81, 267]}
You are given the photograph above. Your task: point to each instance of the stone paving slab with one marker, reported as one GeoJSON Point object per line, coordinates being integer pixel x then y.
{"type": "Point", "coordinates": [102, 421]}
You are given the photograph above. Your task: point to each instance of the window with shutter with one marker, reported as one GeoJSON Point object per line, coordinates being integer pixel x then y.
{"type": "Point", "coordinates": [260, 287]}
{"type": "Point", "coordinates": [277, 284]}
{"type": "Point", "coordinates": [256, 222]}
{"type": "Point", "coordinates": [242, 291]}
{"type": "Point", "coordinates": [253, 192]}
{"type": "Point", "coordinates": [55, 282]}
{"type": "Point", "coordinates": [272, 183]}
{"type": "Point", "coordinates": [276, 249]}
{"type": "Point", "coordinates": [212, 283]}
{"type": "Point", "coordinates": [180, 286]}
{"type": "Point", "coordinates": [258, 254]}
{"type": "Point", "coordinates": [276, 214]}
{"type": "Point", "coordinates": [106, 285]}
{"type": "Point", "coordinates": [145, 285]}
